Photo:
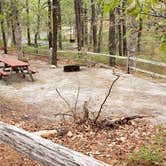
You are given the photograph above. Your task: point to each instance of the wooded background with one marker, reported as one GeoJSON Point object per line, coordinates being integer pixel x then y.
{"type": "Point", "coordinates": [134, 28]}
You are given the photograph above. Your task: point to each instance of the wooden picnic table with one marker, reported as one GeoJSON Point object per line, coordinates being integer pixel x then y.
{"type": "Point", "coordinates": [14, 65]}
{"type": "Point", "coordinates": [13, 62]}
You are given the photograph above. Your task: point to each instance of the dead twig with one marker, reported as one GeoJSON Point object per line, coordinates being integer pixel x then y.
{"type": "Point", "coordinates": [78, 93]}
{"type": "Point", "coordinates": [62, 114]}
{"type": "Point", "coordinates": [67, 103]}
{"type": "Point", "coordinates": [110, 89]}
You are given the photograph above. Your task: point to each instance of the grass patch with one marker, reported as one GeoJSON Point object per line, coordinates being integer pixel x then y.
{"type": "Point", "coordinates": [152, 154]}
{"type": "Point", "coordinates": [40, 50]}
{"type": "Point", "coordinates": [147, 155]}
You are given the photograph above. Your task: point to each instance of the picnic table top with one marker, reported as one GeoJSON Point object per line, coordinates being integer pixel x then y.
{"type": "Point", "coordinates": [13, 62]}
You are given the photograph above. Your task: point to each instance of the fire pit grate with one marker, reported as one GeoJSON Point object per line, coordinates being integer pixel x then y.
{"type": "Point", "coordinates": [71, 68]}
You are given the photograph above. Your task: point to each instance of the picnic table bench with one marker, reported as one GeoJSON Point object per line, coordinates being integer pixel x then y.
{"type": "Point", "coordinates": [11, 65]}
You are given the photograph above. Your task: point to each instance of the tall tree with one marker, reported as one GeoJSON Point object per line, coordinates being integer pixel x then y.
{"type": "Point", "coordinates": [100, 27]}
{"type": "Point", "coordinates": [3, 28]}
{"type": "Point", "coordinates": [37, 26]}
{"type": "Point", "coordinates": [133, 37]}
{"type": "Point", "coordinates": [78, 15]}
{"type": "Point", "coordinates": [17, 25]}
{"type": "Point", "coordinates": [49, 24]}
{"type": "Point", "coordinates": [124, 29]}
{"type": "Point", "coordinates": [112, 42]}
{"type": "Point", "coordinates": [55, 31]}
{"type": "Point", "coordinates": [13, 32]}
{"type": "Point", "coordinates": [28, 23]}
{"type": "Point", "coordinates": [139, 35]}
{"type": "Point", "coordinates": [85, 24]}
{"type": "Point", "coordinates": [94, 25]}
{"type": "Point", "coordinates": [119, 31]}
{"type": "Point", "coordinates": [59, 26]}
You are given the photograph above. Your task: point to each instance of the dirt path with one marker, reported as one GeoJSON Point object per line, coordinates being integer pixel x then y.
{"type": "Point", "coordinates": [131, 95]}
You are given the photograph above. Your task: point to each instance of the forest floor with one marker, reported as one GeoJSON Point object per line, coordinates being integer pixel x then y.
{"type": "Point", "coordinates": [32, 106]}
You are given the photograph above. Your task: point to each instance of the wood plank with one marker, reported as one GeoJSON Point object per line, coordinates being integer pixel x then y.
{"type": "Point", "coordinates": [42, 150]}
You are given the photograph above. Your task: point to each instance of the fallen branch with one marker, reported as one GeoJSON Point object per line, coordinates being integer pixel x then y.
{"type": "Point", "coordinates": [99, 112]}
{"type": "Point", "coordinates": [121, 121]}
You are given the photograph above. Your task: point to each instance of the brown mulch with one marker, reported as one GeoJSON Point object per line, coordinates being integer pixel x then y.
{"type": "Point", "coordinates": [112, 146]}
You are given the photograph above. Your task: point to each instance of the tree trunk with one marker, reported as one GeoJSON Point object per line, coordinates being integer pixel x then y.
{"type": "Point", "coordinates": [3, 30]}
{"type": "Point", "coordinates": [59, 26]}
{"type": "Point", "coordinates": [132, 40]}
{"type": "Point", "coordinates": [42, 150]}
{"type": "Point", "coordinates": [94, 25]}
{"type": "Point", "coordinates": [133, 37]}
{"type": "Point", "coordinates": [112, 43]}
{"type": "Point", "coordinates": [55, 31]}
{"type": "Point", "coordinates": [13, 32]}
{"type": "Point", "coordinates": [119, 32]}
{"type": "Point", "coordinates": [18, 31]}
{"type": "Point", "coordinates": [124, 28]}
{"type": "Point", "coordinates": [100, 31]}
{"type": "Point", "coordinates": [79, 26]}
{"type": "Point", "coordinates": [37, 28]}
{"type": "Point", "coordinates": [9, 32]}
{"type": "Point", "coordinates": [28, 23]}
{"type": "Point", "coordinates": [49, 24]}
{"type": "Point", "coordinates": [85, 24]}
{"type": "Point", "coordinates": [139, 35]}
{"type": "Point", "coordinates": [91, 34]}
{"type": "Point", "coordinates": [82, 23]}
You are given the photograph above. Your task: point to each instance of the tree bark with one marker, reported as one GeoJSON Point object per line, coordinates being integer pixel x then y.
{"type": "Point", "coordinates": [94, 25]}
{"type": "Point", "coordinates": [55, 31]}
{"type": "Point", "coordinates": [112, 42]}
{"type": "Point", "coordinates": [3, 29]}
{"type": "Point", "coordinates": [49, 24]}
{"type": "Point", "coordinates": [28, 23]}
{"type": "Point", "coordinates": [42, 150]}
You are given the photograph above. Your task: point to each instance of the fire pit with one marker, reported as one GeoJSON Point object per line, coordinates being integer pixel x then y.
{"type": "Point", "coordinates": [71, 68]}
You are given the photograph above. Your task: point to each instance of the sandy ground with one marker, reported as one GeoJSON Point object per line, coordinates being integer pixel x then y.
{"type": "Point", "coordinates": [130, 95]}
